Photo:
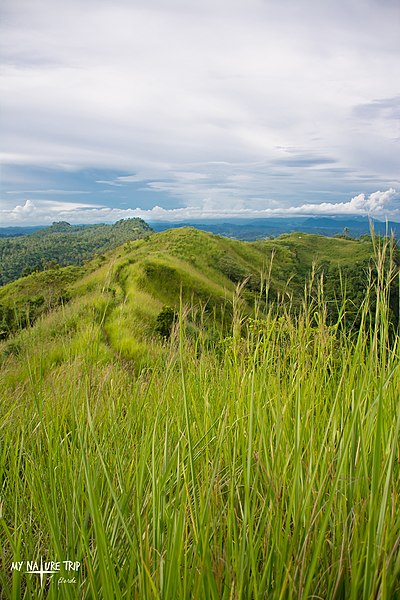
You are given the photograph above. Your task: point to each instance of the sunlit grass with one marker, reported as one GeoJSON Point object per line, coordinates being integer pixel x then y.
{"type": "Point", "coordinates": [263, 465]}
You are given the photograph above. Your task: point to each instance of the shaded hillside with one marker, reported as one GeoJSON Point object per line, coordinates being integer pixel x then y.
{"type": "Point", "coordinates": [63, 244]}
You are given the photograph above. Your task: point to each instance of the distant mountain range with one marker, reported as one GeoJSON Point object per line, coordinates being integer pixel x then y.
{"type": "Point", "coordinates": [6, 232]}
{"type": "Point", "coordinates": [256, 229]}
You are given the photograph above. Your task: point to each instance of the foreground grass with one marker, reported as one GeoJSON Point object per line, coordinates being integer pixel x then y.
{"type": "Point", "coordinates": [266, 466]}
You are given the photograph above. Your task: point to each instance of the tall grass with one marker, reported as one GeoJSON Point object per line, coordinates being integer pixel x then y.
{"type": "Point", "coordinates": [266, 466]}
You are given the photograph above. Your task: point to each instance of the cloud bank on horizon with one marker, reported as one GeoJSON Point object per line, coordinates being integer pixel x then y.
{"type": "Point", "coordinates": [181, 110]}
{"type": "Point", "coordinates": [377, 204]}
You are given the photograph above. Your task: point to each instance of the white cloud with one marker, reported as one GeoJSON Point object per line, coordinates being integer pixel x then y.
{"type": "Point", "coordinates": [206, 99]}
{"type": "Point", "coordinates": [44, 211]}
{"type": "Point", "coordinates": [378, 204]}
{"type": "Point", "coordinates": [50, 191]}
{"type": "Point", "coordinates": [112, 183]}
{"type": "Point", "coordinates": [378, 201]}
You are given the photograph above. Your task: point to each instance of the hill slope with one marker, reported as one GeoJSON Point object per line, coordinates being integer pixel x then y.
{"type": "Point", "coordinates": [126, 289]}
{"type": "Point", "coordinates": [250, 454]}
{"type": "Point", "coordinates": [63, 244]}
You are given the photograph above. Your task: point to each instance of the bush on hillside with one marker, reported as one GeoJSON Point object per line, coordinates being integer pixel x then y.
{"type": "Point", "coordinates": [165, 322]}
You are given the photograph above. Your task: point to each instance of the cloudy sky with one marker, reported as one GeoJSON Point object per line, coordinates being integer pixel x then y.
{"type": "Point", "coordinates": [190, 109]}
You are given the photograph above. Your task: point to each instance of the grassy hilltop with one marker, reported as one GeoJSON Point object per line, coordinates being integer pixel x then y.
{"type": "Point", "coordinates": [190, 416]}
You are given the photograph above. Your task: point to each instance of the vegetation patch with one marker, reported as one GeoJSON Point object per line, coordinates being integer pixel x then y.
{"type": "Point", "coordinates": [64, 244]}
{"type": "Point", "coordinates": [247, 449]}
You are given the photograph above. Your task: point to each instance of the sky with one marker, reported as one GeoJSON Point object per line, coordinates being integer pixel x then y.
{"type": "Point", "coordinates": [196, 109]}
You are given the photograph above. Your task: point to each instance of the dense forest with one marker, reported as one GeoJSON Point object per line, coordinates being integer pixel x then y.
{"type": "Point", "coordinates": [63, 244]}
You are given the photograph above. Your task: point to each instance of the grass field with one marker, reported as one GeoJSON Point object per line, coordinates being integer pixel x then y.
{"type": "Point", "coordinates": [260, 462]}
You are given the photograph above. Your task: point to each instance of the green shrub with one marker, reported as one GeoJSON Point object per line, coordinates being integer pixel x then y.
{"type": "Point", "coordinates": [165, 322]}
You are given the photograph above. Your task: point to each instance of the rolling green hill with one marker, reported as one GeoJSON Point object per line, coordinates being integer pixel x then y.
{"type": "Point", "coordinates": [128, 287]}
{"type": "Point", "coordinates": [189, 416]}
{"type": "Point", "coordinates": [63, 244]}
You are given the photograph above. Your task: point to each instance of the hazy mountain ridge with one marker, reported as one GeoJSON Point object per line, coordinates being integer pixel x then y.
{"type": "Point", "coordinates": [260, 228]}
{"type": "Point", "coordinates": [254, 228]}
